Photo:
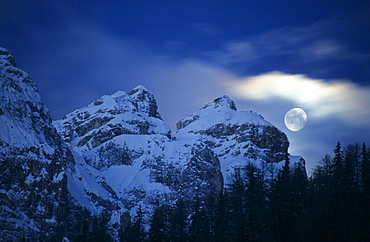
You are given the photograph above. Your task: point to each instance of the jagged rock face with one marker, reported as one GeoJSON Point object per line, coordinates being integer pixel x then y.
{"type": "Point", "coordinates": [236, 137]}
{"type": "Point", "coordinates": [37, 170]}
{"type": "Point", "coordinates": [111, 116]}
{"type": "Point", "coordinates": [145, 102]}
{"type": "Point", "coordinates": [189, 169]}
{"type": "Point", "coordinates": [125, 144]}
{"type": "Point", "coordinates": [127, 158]}
{"type": "Point", "coordinates": [90, 130]}
{"type": "Point", "coordinates": [33, 185]}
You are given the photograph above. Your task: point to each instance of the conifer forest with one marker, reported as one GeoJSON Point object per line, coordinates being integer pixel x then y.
{"type": "Point", "coordinates": [331, 204]}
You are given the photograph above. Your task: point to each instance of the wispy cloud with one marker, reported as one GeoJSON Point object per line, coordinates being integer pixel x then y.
{"type": "Point", "coordinates": [323, 99]}
{"type": "Point", "coordinates": [322, 49]}
{"type": "Point", "coordinates": [290, 46]}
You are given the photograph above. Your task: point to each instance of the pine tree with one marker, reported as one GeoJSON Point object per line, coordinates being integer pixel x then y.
{"type": "Point", "coordinates": [285, 206]}
{"type": "Point", "coordinates": [321, 209]}
{"type": "Point", "coordinates": [280, 201]}
{"type": "Point", "coordinates": [199, 229]}
{"type": "Point", "coordinates": [236, 202]}
{"type": "Point", "coordinates": [351, 192]}
{"type": "Point", "coordinates": [136, 232]}
{"type": "Point", "coordinates": [337, 228]}
{"type": "Point", "coordinates": [178, 222]}
{"type": "Point", "coordinates": [365, 194]}
{"type": "Point", "coordinates": [365, 172]}
{"type": "Point", "coordinates": [222, 219]}
{"type": "Point", "coordinates": [255, 204]}
{"type": "Point", "coordinates": [159, 227]}
{"type": "Point", "coordinates": [299, 204]}
{"type": "Point", "coordinates": [338, 170]}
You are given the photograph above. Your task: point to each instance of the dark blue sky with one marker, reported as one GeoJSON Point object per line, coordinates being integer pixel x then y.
{"type": "Point", "coordinates": [268, 56]}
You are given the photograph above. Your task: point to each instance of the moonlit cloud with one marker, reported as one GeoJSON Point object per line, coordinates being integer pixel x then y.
{"type": "Point", "coordinates": [340, 99]}
{"type": "Point", "coordinates": [327, 48]}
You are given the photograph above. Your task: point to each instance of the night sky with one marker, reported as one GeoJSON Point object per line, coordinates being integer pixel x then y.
{"type": "Point", "coordinates": [268, 56]}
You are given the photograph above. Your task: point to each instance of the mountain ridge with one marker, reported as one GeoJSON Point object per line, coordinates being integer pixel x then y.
{"type": "Point", "coordinates": [105, 162]}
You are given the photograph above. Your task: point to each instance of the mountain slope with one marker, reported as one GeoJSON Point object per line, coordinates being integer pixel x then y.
{"type": "Point", "coordinates": [125, 145]}
{"type": "Point", "coordinates": [33, 194]}
{"type": "Point", "coordinates": [237, 137]}
{"type": "Point", "coordinates": [123, 139]}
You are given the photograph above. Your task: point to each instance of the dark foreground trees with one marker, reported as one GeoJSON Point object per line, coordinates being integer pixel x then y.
{"type": "Point", "coordinates": [333, 204]}
{"type": "Point", "coordinates": [339, 196]}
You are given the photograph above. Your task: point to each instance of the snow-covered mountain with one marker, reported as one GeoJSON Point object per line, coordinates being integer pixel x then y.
{"type": "Point", "coordinates": [132, 151]}
{"type": "Point", "coordinates": [237, 137]}
{"type": "Point", "coordinates": [125, 146]}
{"type": "Point", "coordinates": [95, 168]}
{"type": "Point", "coordinates": [33, 186]}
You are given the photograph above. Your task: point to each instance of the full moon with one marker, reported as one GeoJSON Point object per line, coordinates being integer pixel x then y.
{"type": "Point", "coordinates": [295, 119]}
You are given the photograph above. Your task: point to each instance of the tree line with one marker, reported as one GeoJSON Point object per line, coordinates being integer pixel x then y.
{"type": "Point", "coordinates": [332, 204]}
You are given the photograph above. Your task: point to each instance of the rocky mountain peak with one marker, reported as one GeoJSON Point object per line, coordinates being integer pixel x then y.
{"type": "Point", "coordinates": [223, 101]}
{"type": "Point", "coordinates": [111, 116]}
{"type": "Point", "coordinates": [23, 116]}
{"type": "Point", "coordinates": [222, 111]}
{"type": "Point", "coordinates": [236, 136]}
{"type": "Point", "coordinates": [5, 56]}
{"type": "Point", "coordinates": [145, 101]}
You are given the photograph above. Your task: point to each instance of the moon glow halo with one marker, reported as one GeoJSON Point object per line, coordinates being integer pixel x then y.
{"type": "Point", "coordinates": [295, 119]}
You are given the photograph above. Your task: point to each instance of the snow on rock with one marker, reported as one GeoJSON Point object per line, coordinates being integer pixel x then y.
{"type": "Point", "coordinates": [32, 156]}
{"type": "Point", "coordinates": [122, 138]}
{"type": "Point", "coordinates": [101, 162]}
{"type": "Point", "coordinates": [124, 141]}
{"type": "Point", "coordinates": [111, 116]}
{"type": "Point", "coordinates": [129, 157]}
{"type": "Point", "coordinates": [22, 113]}
{"type": "Point", "coordinates": [144, 101]}
{"type": "Point", "coordinates": [221, 111]}
{"type": "Point", "coordinates": [237, 137]}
